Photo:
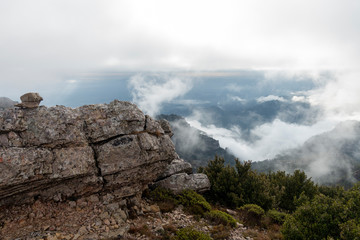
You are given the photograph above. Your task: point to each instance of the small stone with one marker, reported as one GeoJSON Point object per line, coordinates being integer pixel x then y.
{"type": "Point", "coordinates": [72, 204]}
{"type": "Point", "coordinates": [122, 203]}
{"type": "Point", "coordinates": [52, 228]}
{"type": "Point", "coordinates": [82, 230]}
{"type": "Point", "coordinates": [104, 215]}
{"type": "Point", "coordinates": [154, 208]}
{"type": "Point", "coordinates": [93, 199]}
{"type": "Point", "coordinates": [51, 237]}
{"type": "Point", "coordinates": [91, 236]}
{"type": "Point", "coordinates": [98, 222]}
{"type": "Point", "coordinates": [39, 215]}
{"type": "Point", "coordinates": [112, 221]}
{"type": "Point", "coordinates": [107, 198]}
{"type": "Point", "coordinates": [113, 207]}
{"type": "Point", "coordinates": [231, 212]}
{"type": "Point", "coordinates": [122, 214]}
{"type": "Point", "coordinates": [106, 222]}
{"type": "Point", "coordinates": [239, 225]}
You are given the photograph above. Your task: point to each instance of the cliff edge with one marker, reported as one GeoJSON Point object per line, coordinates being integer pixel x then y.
{"type": "Point", "coordinates": [62, 153]}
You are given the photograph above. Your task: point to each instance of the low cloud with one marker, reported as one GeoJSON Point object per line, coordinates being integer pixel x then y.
{"type": "Point", "coordinates": [340, 97]}
{"type": "Point", "coordinates": [270, 98]}
{"type": "Point", "coordinates": [268, 139]}
{"type": "Point", "coordinates": [151, 91]}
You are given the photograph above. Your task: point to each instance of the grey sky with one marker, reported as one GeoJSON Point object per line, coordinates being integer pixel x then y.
{"type": "Point", "coordinates": [44, 41]}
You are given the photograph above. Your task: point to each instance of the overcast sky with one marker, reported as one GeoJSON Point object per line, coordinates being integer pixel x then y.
{"type": "Point", "coordinates": [43, 42]}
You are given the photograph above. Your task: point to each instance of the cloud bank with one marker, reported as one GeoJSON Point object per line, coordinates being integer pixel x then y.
{"type": "Point", "coordinates": [43, 42]}
{"type": "Point", "coordinates": [150, 91]}
{"type": "Point", "coordinates": [271, 138]}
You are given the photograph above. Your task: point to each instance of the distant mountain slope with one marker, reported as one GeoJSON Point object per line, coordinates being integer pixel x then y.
{"type": "Point", "coordinates": [6, 103]}
{"type": "Point", "coordinates": [329, 158]}
{"type": "Point", "coordinates": [194, 145]}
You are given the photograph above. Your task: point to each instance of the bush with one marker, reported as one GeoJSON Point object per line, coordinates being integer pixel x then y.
{"type": "Point", "coordinates": [165, 198]}
{"type": "Point", "coordinates": [276, 216]}
{"type": "Point", "coordinates": [193, 202]}
{"type": "Point", "coordinates": [191, 234]}
{"type": "Point", "coordinates": [350, 230]}
{"type": "Point", "coordinates": [236, 186]}
{"type": "Point", "coordinates": [318, 219]}
{"type": "Point", "coordinates": [253, 209]}
{"type": "Point", "coordinates": [252, 214]}
{"type": "Point", "coordinates": [162, 194]}
{"type": "Point", "coordinates": [288, 188]}
{"type": "Point", "coordinates": [219, 217]}
{"type": "Point", "coordinates": [220, 232]}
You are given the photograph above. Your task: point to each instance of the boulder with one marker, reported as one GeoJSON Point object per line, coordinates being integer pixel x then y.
{"type": "Point", "coordinates": [59, 152]}
{"type": "Point", "coordinates": [178, 182]}
{"type": "Point", "coordinates": [176, 166]}
{"type": "Point", "coordinates": [30, 100]}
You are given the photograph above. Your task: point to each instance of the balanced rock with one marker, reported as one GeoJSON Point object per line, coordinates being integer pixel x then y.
{"type": "Point", "coordinates": [30, 100]}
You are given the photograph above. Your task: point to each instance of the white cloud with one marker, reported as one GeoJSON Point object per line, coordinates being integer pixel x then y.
{"type": "Point", "coordinates": [41, 40]}
{"type": "Point", "coordinates": [237, 98]}
{"type": "Point", "coordinates": [270, 98]}
{"type": "Point", "coordinates": [340, 97]}
{"type": "Point", "coordinates": [299, 99]}
{"type": "Point", "coordinates": [150, 91]}
{"type": "Point", "coordinates": [272, 138]}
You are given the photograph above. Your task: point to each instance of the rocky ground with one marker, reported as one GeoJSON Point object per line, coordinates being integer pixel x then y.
{"type": "Point", "coordinates": [101, 217]}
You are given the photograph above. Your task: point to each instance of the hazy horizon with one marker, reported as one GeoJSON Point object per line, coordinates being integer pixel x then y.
{"type": "Point", "coordinates": [290, 66]}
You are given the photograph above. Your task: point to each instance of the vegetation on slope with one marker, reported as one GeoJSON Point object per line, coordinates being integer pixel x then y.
{"type": "Point", "coordinates": [307, 211]}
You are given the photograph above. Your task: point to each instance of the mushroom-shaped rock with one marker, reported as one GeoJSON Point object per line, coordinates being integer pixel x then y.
{"type": "Point", "coordinates": [30, 100]}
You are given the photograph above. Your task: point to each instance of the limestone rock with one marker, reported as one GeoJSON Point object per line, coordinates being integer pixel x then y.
{"type": "Point", "coordinates": [166, 126]}
{"type": "Point", "coordinates": [30, 100]}
{"type": "Point", "coordinates": [177, 166]}
{"type": "Point", "coordinates": [178, 182]}
{"type": "Point", "coordinates": [60, 152]}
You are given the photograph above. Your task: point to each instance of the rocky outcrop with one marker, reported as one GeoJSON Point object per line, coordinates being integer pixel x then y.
{"type": "Point", "coordinates": [60, 153]}
{"type": "Point", "coordinates": [175, 167]}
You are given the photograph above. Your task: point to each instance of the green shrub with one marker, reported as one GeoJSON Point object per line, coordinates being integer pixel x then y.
{"type": "Point", "coordinates": [219, 217]}
{"type": "Point", "coordinates": [252, 214]}
{"type": "Point", "coordinates": [236, 186]}
{"type": "Point", "coordinates": [350, 230]}
{"type": "Point", "coordinates": [287, 189]}
{"type": "Point", "coordinates": [276, 216]}
{"type": "Point", "coordinates": [218, 232]}
{"type": "Point", "coordinates": [193, 202]}
{"type": "Point", "coordinates": [318, 219]}
{"type": "Point", "coordinates": [253, 209]}
{"type": "Point", "coordinates": [292, 229]}
{"type": "Point", "coordinates": [191, 234]}
{"type": "Point", "coordinates": [162, 194]}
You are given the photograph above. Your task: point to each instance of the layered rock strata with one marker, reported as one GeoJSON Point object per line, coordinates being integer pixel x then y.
{"type": "Point", "coordinates": [60, 153]}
